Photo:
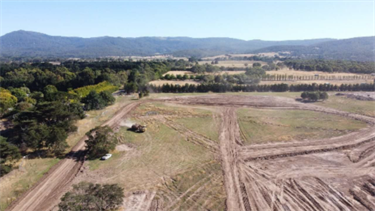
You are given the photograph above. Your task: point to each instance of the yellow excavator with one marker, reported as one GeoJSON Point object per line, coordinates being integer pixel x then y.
{"type": "Point", "coordinates": [138, 128]}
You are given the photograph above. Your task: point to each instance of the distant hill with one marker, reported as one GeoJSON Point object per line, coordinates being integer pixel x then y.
{"type": "Point", "coordinates": [356, 49]}
{"type": "Point", "coordinates": [33, 44]}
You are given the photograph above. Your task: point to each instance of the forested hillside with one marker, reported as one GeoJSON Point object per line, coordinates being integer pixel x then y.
{"type": "Point", "coordinates": [355, 49]}
{"type": "Point", "coordinates": [33, 44]}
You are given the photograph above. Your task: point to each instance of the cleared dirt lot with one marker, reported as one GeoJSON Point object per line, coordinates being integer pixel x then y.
{"type": "Point", "coordinates": [161, 82]}
{"type": "Point", "coordinates": [191, 73]}
{"type": "Point", "coordinates": [183, 168]}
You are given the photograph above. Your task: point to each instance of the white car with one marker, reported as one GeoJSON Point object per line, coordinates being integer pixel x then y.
{"type": "Point", "coordinates": [106, 157]}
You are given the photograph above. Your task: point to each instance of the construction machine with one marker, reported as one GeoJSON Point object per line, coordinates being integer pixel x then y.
{"type": "Point", "coordinates": [138, 128]}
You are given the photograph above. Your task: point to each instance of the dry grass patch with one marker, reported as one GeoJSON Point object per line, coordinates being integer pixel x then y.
{"type": "Point", "coordinates": [333, 82]}
{"type": "Point", "coordinates": [263, 125]}
{"type": "Point", "coordinates": [20, 180]}
{"type": "Point", "coordinates": [161, 82]}
{"type": "Point", "coordinates": [350, 105]}
{"type": "Point", "coordinates": [165, 160]}
{"type": "Point", "coordinates": [287, 71]}
{"type": "Point", "coordinates": [233, 63]}
{"type": "Point", "coordinates": [159, 152]}
{"type": "Point", "coordinates": [175, 72]}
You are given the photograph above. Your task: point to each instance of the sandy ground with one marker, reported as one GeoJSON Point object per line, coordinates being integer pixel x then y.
{"type": "Point", "coordinates": [326, 174]}
{"type": "Point", "coordinates": [191, 73]}
{"type": "Point", "coordinates": [161, 82]}
{"type": "Point", "coordinates": [233, 63]}
{"type": "Point", "coordinates": [367, 96]}
{"type": "Point", "coordinates": [177, 72]}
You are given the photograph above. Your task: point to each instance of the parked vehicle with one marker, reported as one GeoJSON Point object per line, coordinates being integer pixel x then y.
{"type": "Point", "coordinates": [106, 157]}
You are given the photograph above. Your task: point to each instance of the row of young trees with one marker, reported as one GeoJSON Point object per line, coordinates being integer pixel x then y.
{"type": "Point", "coordinates": [225, 87]}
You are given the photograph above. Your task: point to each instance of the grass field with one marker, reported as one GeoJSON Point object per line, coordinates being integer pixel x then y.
{"type": "Point", "coordinates": [161, 82]}
{"type": "Point", "coordinates": [350, 105]}
{"type": "Point", "coordinates": [337, 102]}
{"type": "Point", "coordinates": [333, 82]}
{"type": "Point", "coordinates": [233, 63]}
{"type": "Point", "coordinates": [269, 54]}
{"type": "Point", "coordinates": [287, 71]}
{"type": "Point", "coordinates": [191, 73]}
{"type": "Point", "coordinates": [262, 126]}
{"type": "Point", "coordinates": [164, 158]}
{"type": "Point", "coordinates": [18, 181]}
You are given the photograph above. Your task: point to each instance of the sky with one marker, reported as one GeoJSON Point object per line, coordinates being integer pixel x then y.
{"type": "Point", "coordinates": [247, 20]}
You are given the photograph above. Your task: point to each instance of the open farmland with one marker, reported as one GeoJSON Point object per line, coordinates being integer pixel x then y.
{"type": "Point", "coordinates": [161, 82]}
{"type": "Point", "coordinates": [233, 63]}
{"type": "Point", "coordinates": [285, 75]}
{"type": "Point", "coordinates": [216, 152]}
{"type": "Point", "coordinates": [235, 72]}
{"type": "Point", "coordinates": [287, 71]}
{"type": "Point", "coordinates": [268, 54]}
{"type": "Point", "coordinates": [333, 82]}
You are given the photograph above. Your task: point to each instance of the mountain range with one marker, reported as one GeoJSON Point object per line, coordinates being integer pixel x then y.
{"type": "Point", "coordinates": [33, 44]}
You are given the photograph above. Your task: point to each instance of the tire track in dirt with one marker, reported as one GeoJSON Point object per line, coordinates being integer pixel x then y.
{"type": "Point", "coordinates": [247, 186]}
{"type": "Point", "coordinates": [229, 137]}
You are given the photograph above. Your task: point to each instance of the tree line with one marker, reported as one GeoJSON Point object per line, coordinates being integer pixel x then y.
{"type": "Point", "coordinates": [331, 65]}
{"type": "Point", "coordinates": [225, 87]}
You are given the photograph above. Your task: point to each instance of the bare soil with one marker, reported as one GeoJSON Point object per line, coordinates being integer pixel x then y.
{"type": "Point", "coordinates": [366, 96]}
{"type": "Point", "coordinates": [326, 174]}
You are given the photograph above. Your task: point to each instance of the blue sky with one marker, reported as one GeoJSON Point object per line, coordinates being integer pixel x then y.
{"type": "Point", "coordinates": [266, 20]}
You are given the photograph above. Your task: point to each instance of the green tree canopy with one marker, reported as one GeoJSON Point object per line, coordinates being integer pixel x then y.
{"type": "Point", "coordinates": [9, 153]}
{"type": "Point", "coordinates": [92, 197]}
{"type": "Point", "coordinates": [100, 141]}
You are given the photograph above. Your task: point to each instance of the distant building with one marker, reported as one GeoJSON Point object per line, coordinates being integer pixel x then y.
{"type": "Point", "coordinates": [55, 63]}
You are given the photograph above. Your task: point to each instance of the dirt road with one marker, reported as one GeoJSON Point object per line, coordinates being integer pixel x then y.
{"type": "Point", "coordinates": [48, 191]}
{"type": "Point", "coordinates": [328, 174]}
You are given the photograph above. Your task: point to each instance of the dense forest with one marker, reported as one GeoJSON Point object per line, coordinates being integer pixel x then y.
{"type": "Point", "coordinates": [43, 101]}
